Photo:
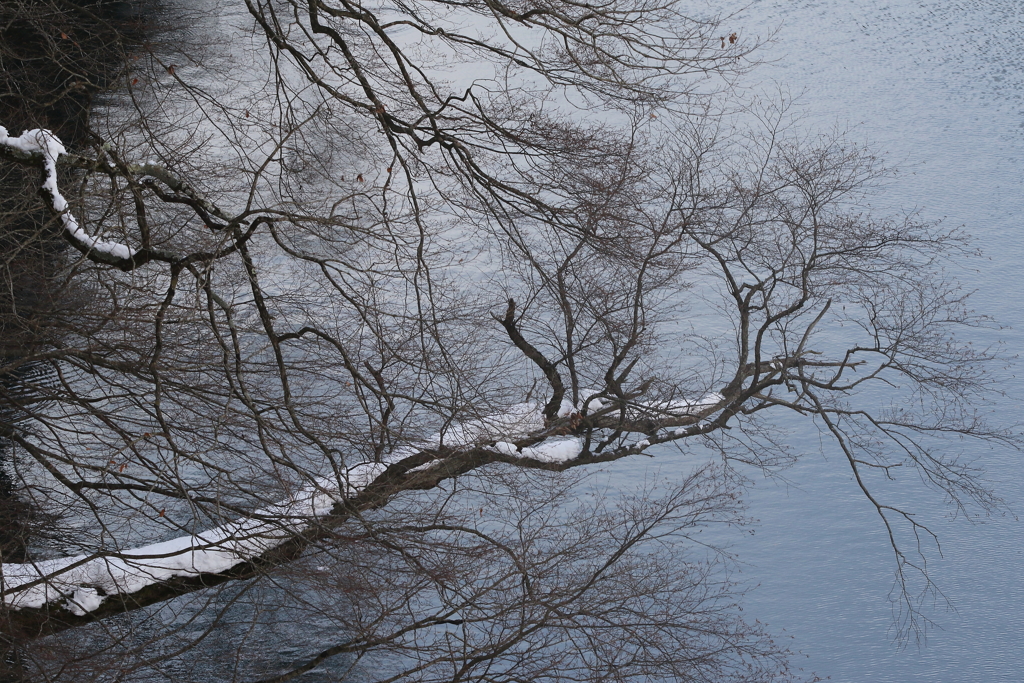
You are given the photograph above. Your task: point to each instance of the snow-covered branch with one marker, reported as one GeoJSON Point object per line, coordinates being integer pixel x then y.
{"type": "Point", "coordinates": [82, 583]}
{"type": "Point", "coordinates": [39, 147]}
{"type": "Point", "coordinates": [45, 144]}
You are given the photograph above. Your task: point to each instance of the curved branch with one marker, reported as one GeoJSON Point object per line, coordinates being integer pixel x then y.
{"type": "Point", "coordinates": [549, 369]}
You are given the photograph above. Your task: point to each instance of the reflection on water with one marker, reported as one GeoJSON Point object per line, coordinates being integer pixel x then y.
{"type": "Point", "coordinates": [243, 631]}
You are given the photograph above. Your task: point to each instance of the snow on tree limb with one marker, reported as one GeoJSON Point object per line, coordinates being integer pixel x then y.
{"type": "Point", "coordinates": [82, 583]}
{"type": "Point", "coordinates": [45, 143]}
{"type": "Point", "coordinates": [41, 148]}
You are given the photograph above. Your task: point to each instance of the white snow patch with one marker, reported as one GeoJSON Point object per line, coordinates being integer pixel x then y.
{"type": "Point", "coordinates": [681, 407]}
{"type": "Point", "coordinates": [84, 600]}
{"type": "Point", "coordinates": [516, 422]}
{"type": "Point", "coordinates": [559, 450]}
{"type": "Point", "coordinates": [506, 448]}
{"type": "Point", "coordinates": [568, 407]}
{"type": "Point", "coordinates": [554, 450]}
{"type": "Point", "coordinates": [50, 146]}
{"type": "Point", "coordinates": [82, 580]}
{"type": "Point", "coordinates": [425, 466]}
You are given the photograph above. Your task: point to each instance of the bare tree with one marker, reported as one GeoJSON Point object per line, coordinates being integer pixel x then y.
{"type": "Point", "coordinates": [346, 300]}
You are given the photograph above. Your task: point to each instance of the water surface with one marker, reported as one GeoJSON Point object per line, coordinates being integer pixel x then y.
{"type": "Point", "coordinates": [937, 87]}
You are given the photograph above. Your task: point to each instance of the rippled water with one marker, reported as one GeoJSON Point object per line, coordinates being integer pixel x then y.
{"type": "Point", "coordinates": [937, 86]}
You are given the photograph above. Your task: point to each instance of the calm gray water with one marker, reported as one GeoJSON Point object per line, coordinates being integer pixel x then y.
{"type": "Point", "coordinates": [937, 86]}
